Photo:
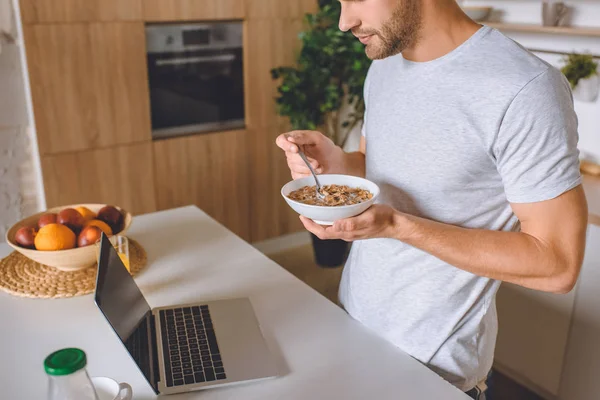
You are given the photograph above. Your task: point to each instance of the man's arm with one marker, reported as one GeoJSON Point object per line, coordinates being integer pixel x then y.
{"type": "Point", "coordinates": [537, 158]}
{"type": "Point", "coordinates": [354, 163]}
{"type": "Point", "coordinates": [546, 255]}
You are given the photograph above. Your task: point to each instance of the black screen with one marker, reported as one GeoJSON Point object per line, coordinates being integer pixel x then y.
{"type": "Point", "coordinates": [196, 37]}
{"type": "Point", "coordinates": [122, 303]}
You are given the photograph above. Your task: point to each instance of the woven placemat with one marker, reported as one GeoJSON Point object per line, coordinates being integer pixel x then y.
{"type": "Point", "coordinates": [23, 277]}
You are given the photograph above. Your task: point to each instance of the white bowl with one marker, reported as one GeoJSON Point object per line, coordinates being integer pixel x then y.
{"type": "Point", "coordinates": [477, 13]}
{"type": "Point", "coordinates": [324, 215]}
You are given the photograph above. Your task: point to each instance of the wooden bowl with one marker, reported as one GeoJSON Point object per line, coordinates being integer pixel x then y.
{"type": "Point", "coordinates": [65, 260]}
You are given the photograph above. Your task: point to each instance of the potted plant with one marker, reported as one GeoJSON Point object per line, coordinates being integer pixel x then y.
{"type": "Point", "coordinates": [324, 91]}
{"type": "Point", "coordinates": [582, 72]}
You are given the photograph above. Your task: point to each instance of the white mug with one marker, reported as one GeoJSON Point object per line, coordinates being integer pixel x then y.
{"type": "Point", "coordinates": [109, 389]}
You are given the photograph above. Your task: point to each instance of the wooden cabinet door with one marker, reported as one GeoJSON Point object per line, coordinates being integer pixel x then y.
{"type": "Point", "coordinates": [268, 44]}
{"type": "Point", "coordinates": [207, 170]}
{"type": "Point", "coordinates": [279, 9]}
{"type": "Point", "coordinates": [582, 359]}
{"type": "Point", "coordinates": [270, 215]}
{"type": "Point", "coordinates": [121, 175]}
{"type": "Point", "coordinates": [532, 336]}
{"type": "Point", "coordinates": [89, 85]}
{"type": "Point", "coordinates": [193, 10]}
{"type": "Point", "coordinates": [44, 11]}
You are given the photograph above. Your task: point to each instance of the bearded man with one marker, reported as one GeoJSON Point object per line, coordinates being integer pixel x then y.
{"type": "Point", "coordinates": [473, 142]}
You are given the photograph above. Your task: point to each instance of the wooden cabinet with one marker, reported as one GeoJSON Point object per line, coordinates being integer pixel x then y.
{"type": "Point", "coordinates": [268, 44]}
{"type": "Point", "coordinates": [582, 360]}
{"type": "Point", "coordinates": [44, 11]}
{"type": "Point", "coordinates": [121, 175]}
{"type": "Point", "coordinates": [279, 9]}
{"type": "Point", "coordinates": [89, 85]}
{"type": "Point", "coordinates": [270, 215]}
{"type": "Point", "coordinates": [532, 336]}
{"type": "Point", "coordinates": [551, 343]}
{"type": "Point", "coordinates": [192, 10]}
{"type": "Point", "coordinates": [210, 171]}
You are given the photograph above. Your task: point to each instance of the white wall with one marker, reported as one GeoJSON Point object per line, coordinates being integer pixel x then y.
{"type": "Point", "coordinates": [584, 14]}
{"type": "Point", "coordinates": [21, 190]}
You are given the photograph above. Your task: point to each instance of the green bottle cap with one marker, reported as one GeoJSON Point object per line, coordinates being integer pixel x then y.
{"type": "Point", "coordinates": [65, 362]}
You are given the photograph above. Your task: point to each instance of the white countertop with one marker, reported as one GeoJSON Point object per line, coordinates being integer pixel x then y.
{"type": "Point", "coordinates": [324, 353]}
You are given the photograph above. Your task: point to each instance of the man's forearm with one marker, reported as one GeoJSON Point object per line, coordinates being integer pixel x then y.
{"type": "Point", "coordinates": [353, 164]}
{"type": "Point", "coordinates": [508, 256]}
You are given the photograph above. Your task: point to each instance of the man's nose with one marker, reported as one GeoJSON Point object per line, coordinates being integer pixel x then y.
{"type": "Point", "coordinates": [348, 18]}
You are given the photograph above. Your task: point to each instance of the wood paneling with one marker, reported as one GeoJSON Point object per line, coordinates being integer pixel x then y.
{"type": "Point", "coordinates": [582, 354]}
{"type": "Point", "coordinates": [89, 85]}
{"type": "Point", "coordinates": [182, 10]}
{"type": "Point", "coordinates": [270, 215]}
{"type": "Point", "coordinates": [91, 105]}
{"type": "Point", "coordinates": [121, 176]}
{"type": "Point", "coordinates": [533, 335]}
{"type": "Point", "coordinates": [42, 11]}
{"type": "Point", "coordinates": [210, 171]}
{"type": "Point", "coordinates": [279, 8]}
{"type": "Point", "coordinates": [268, 44]}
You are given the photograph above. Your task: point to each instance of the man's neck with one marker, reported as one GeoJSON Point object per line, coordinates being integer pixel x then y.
{"type": "Point", "coordinates": [444, 28]}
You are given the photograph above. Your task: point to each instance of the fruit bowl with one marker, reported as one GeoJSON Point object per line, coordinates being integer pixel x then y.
{"type": "Point", "coordinates": [327, 215]}
{"type": "Point", "coordinates": [65, 260]}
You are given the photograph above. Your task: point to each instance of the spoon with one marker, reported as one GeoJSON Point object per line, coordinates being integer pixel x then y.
{"type": "Point", "coordinates": [320, 195]}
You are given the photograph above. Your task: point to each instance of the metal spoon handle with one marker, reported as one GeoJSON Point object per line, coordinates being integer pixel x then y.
{"type": "Point", "coordinates": [314, 174]}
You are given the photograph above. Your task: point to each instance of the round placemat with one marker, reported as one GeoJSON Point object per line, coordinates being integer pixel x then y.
{"type": "Point", "coordinates": [23, 277]}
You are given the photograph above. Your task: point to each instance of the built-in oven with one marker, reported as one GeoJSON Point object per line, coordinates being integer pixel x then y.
{"type": "Point", "coordinates": [196, 77]}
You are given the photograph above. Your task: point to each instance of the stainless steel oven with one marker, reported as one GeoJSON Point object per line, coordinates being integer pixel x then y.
{"type": "Point", "coordinates": [196, 77]}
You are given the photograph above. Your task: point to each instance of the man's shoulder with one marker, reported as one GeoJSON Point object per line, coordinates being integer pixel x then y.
{"type": "Point", "coordinates": [521, 73]}
{"type": "Point", "coordinates": [494, 64]}
{"type": "Point", "coordinates": [507, 61]}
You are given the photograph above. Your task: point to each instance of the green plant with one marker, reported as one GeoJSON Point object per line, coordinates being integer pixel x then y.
{"type": "Point", "coordinates": [579, 66]}
{"type": "Point", "coordinates": [330, 70]}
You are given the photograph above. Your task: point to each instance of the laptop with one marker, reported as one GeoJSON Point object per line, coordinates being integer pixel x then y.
{"type": "Point", "coordinates": [184, 347]}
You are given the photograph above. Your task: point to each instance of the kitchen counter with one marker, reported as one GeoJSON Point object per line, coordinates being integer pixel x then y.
{"type": "Point", "coordinates": [321, 351]}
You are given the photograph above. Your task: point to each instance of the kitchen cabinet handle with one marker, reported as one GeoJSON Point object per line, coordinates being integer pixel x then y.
{"type": "Point", "coordinates": [195, 60]}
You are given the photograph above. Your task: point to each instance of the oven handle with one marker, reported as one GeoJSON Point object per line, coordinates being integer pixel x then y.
{"type": "Point", "coordinates": [195, 60]}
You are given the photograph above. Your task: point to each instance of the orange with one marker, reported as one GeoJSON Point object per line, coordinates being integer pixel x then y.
{"type": "Point", "coordinates": [86, 213]}
{"type": "Point", "coordinates": [54, 237]}
{"type": "Point", "coordinates": [100, 224]}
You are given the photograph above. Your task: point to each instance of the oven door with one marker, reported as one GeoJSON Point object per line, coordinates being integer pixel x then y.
{"type": "Point", "coordinates": [193, 92]}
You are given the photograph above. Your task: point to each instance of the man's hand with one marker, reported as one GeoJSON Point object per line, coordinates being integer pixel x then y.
{"type": "Point", "coordinates": [376, 222]}
{"type": "Point", "coordinates": [324, 156]}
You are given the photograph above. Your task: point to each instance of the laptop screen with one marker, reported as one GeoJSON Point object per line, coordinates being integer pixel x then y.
{"type": "Point", "coordinates": [126, 310]}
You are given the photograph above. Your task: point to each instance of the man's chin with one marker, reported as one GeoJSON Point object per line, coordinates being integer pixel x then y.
{"type": "Point", "coordinates": [374, 49]}
{"type": "Point", "coordinates": [373, 52]}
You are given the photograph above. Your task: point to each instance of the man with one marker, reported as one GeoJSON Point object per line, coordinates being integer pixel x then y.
{"type": "Point", "coordinates": [473, 142]}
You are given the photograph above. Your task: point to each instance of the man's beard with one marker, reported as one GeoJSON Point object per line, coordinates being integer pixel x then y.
{"type": "Point", "coordinates": [398, 33]}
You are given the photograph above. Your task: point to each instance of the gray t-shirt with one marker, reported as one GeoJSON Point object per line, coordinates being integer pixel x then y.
{"type": "Point", "coordinates": [455, 140]}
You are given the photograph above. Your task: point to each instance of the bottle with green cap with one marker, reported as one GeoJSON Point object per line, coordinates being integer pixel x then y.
{"type": "Point", "coordinates": [68, 377]}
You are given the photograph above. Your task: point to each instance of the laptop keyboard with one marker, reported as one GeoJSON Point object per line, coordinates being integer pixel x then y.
{"type": "Point", "coordinates": [190, 348]}
{"type": "Point", "coordinates": [137, 344]}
